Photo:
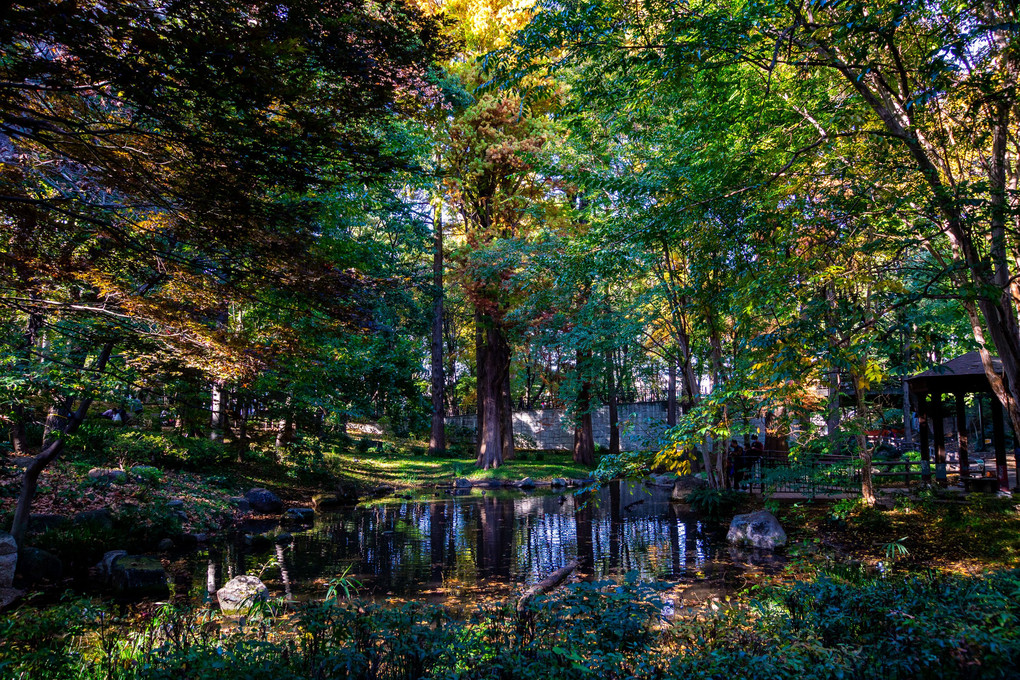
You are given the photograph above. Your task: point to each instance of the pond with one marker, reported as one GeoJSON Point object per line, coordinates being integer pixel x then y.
{"type": "Point", "coordinates": [444, 547]}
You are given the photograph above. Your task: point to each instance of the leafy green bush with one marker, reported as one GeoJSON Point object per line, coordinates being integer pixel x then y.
{"type": "Point", "coordinates": [714, 504]}
{"type": "Point", "coordinates": [843, 624]}
{"type": "Point", "coordinates": [135, 447]}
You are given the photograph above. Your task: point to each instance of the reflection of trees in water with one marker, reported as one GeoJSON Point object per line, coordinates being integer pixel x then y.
{"type": "Point", "coordinates": [495, 538]}
{"type": "Point", "coordinates": [281, 562]}
{"type": "Point", "coordinates": [583, 513]}
{"type": "Point", "coordinates": [412, 546]}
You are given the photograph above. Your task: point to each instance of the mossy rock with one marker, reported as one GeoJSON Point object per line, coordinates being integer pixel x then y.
{"type": "Point", "coordinates": [137, 576]}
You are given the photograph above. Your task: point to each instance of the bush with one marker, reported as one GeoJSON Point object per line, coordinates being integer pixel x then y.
{"type": "Point", "coordinates": [920, 626]}
{"type": "Point", "coordinates": [134, 447]}
{"type": "Point", "coordinates": [714, 504]}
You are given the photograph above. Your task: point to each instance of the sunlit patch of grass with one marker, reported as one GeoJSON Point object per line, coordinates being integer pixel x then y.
{"type": "Point", "coordinates": [406, 470]}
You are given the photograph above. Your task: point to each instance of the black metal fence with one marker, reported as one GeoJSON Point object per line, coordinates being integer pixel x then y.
{"type": "Point", "coordinates": [830, 475]}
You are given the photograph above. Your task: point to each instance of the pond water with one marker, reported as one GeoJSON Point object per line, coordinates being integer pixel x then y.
{"type": "Point", "coordinates": [493, 542]}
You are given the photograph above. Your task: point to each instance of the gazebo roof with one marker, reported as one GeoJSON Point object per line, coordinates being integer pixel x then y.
{"type": "Point", "coordinates": [965, 373]}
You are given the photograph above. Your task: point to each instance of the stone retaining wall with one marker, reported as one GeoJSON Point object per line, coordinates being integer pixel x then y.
{"type": "Point", "coordinates": [641, 427]}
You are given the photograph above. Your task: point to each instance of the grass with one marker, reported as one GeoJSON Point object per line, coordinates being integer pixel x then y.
{"type": "Point", "coordinates": [401, 469]}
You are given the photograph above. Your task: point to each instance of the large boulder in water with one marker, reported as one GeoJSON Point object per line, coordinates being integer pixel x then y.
{"type": "Point", "coordinates": [682, 486]}
{"type": "Point", "coordinates": [298, 516]}
{"type": "Point", "coordinates": [240, 593]}
{"type": "Point", "coordinates": [264, 501]}
{"type": "Point", "coordinates": [138, 576]}
{"type": "Point", "coordinates": [8, 559]}
{"type": "Point", "coordinates": [758, 530]}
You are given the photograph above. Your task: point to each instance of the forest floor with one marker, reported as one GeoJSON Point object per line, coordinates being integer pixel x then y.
{"type": "Point", "coordinates": [926, 529]}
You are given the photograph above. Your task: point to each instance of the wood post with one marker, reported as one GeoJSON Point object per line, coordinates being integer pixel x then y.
{"type": "Point", "coordinates": [938, 424]}
{"type": "Point", "coordinates": [922, 426]}
{"type": "Point", "coordinates": [999, 442]}
{"type": "Point", "coordinates": [961, 433]}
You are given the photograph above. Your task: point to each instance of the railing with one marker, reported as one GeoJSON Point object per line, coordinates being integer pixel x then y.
{"type": "Point", "coordinates": [823, 476]}
{"type": "Point", "coordinates": [832, 475]}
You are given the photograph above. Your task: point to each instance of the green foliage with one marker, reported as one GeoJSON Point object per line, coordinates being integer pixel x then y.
{"type": "Point", "coordinates": [714, 504]}
{"type": "Point", "coordinates": [137, 447]}
{"type": "Point", "coordinates": [847, 622]}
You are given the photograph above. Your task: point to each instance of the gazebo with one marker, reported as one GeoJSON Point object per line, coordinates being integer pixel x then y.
{"type": "Point", "coordinates": [958, 377]}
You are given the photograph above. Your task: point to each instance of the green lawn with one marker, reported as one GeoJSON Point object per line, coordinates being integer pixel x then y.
{"type": "Point", "coordinates": [403, 469]}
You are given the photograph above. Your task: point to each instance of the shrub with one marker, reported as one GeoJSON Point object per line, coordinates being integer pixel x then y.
{"type": "Point", "coordinates": [714, 504]}
{"type": "Point", "coordinates": [928, 625]}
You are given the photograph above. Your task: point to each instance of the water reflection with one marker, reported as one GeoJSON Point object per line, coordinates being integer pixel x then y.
{"type": "Point", "coordinates": [440, 545]}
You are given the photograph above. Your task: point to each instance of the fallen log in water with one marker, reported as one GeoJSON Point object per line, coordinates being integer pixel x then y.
{"type": "Point", "coordinates": [545, 585]}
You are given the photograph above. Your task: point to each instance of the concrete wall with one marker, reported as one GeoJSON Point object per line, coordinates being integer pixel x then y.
{"type": "Point", "coordinates": [641, 426]}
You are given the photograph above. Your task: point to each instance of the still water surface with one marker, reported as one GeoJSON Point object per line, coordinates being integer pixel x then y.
{"type": "Point", "coordinates": [445, 546]}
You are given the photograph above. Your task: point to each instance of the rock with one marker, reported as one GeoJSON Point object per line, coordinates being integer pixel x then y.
{"type": "Point", "coordinates": [240, 502]}
{"type": "Point", "coordinates": [101, 518]}
{"type": "Point", "coordinates": [8, 596]}
{"type": "Point", "coordinates": [327, 501]}
{"type": "Point", "coordinates": [686, 484]}
{"type": "Point", "coordinates": [559, 482]}
{"type": "Point", "coordinates": [38, 524]}
{"type": "Point", "coordinates": [189, 540]}
{"type": "Point", "coordinates": [264, 501]}
{"type": "Point", "coordinates": [105, 565]}
{"type": "Point", "coordinates": [462, 483]}
{"type": "Point", "coordinates": [8, 559]}
{"type": "Point", "coordinates": [758, 530]}
{"type": "Point", "coordinates": [665, 480]}
{"type": "Point", "coordinates": [138, 576]}
{"type": "Point", "coordinates": [283, 538]}
{"type": "Point", "coordinates": [175, 504]}
{"type": "Point", "coordinates": [526, 483]}
{"type": "Point", "coordinates": [240, 593]}
{"type": "Point", "coordinates": [298, 516]}
{"type": "Point", "coordinates": [383, 490]}
{"type": "Point", "coordinates": [38, 566]}
{"type": "Point", "coordinates": [111, 475]}
{"type": "Point", "coordinates": [165, 545]}
{"type": "Point", "coordinates": [258, 542]}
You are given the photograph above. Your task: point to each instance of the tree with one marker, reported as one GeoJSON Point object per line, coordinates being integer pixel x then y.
{"type": "Point", "coordinates": [492, 188]}
{"type": "Point", "coordinates": [160, 166]}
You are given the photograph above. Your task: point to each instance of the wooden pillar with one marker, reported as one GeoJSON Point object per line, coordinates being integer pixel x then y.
{"type": "Point", "coordinates": [938, 425]}
{"type": "Point", "coordinates": [961, 433]}
{"type": "Point", "coordinates": [999, 442]}
{"type": "Point", "coordinates": [922, 427]}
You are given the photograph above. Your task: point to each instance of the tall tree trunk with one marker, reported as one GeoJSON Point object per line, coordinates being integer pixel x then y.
{"type": "Point", "coordinates": [584, 440]}
{"type": "Point", "coordinates": [242, 428]}
{"type": "Point", "coordinates": [218, 418]}
{"type": "Point", "coordinates": [864, 452]}
{"type": "Point", "coordinates": [437, 438]}
{"type": "Point", "coordinates": [19, 437]}
{"type": "Point", "coordinates": [480, 379]}
{"type": "Point", "coordinates": [285, 430]}
{"type": "Point", "coordinates": [614, 416]}
{"type": "Point", "coordinates": [908, 421]}
{"type": "Point", "coordinates": [835, 414]}
{"type": "Point", "coordinates": [50, 453]}
{"type": "Point", "coordinates": [671, 395]}
{"type": "Point", "coordinates": [492, 371]}
{"type": "Point", "coordinates": [506, 414]}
